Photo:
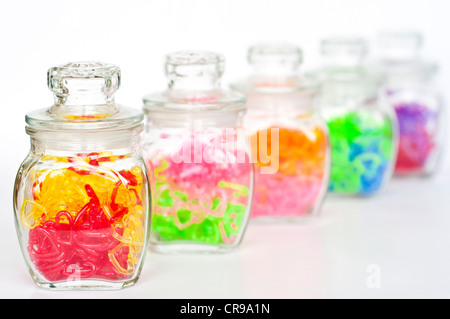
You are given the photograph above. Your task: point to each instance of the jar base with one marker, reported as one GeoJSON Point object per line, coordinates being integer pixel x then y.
{"type": "Point", "coordinates": [86, 285]}
{"type": "Point", "coordinates": [304, 219]}
{"type": "Point", "coordinates": [334, 194]}
{"type": "Point", "coordinates": [414, 173]}
{"type": "Point", "coordinates": [183, 248]}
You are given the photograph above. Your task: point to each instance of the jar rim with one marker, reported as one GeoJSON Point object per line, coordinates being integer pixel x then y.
{"type": "Point", "coordinates": [125, 118]}
{"type": "Point", "coordinates": [277, 85]}
{"type": "Point", "coordinates": [195, 102]}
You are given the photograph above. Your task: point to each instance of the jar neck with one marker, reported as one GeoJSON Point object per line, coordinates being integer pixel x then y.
{"type": "Point", "coordinates": [343, 62]}
{"type": "Point", "coordinates": [409, 81]}
{"type": "Point", "coordinates": [69, 142]}
{"type": "Point", "coordinates": [193, 83]}
{"type": "Point", "coordinates": [78, 102]}
{"type": "Point", "coordinates": [275, 70]}
{"type": "Point", "coordinates": [189, 120]}
{"type": "Point", "coordinates": [289, 104]}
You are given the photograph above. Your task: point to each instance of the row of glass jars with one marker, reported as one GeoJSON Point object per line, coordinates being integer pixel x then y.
{"type": "Point", "coordinates": [88, 200]}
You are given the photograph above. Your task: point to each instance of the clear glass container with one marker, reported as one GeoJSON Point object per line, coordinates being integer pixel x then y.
{"type": "Point", "coordinates": [81, 196]}
{"type": "Point", "coordinates": [413, 93]}
{"type": "Point", "coordinates": [200, 157]}
{"type": "Point", "coordinates": [361, 124]}
{"type": "Point", "coordinates": [289, 138]}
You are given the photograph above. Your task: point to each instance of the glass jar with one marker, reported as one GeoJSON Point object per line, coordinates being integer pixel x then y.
{"type": "Point", "coordinates": [412, 92]}
{"type": "Point", "coordinates": [289, 139]}
{"type": "Point", "coordinates": [200, 156]}
{"type": "Point", "coordinates": [81, 196]}
{"type": "Point", "coordinates": [362, 125]}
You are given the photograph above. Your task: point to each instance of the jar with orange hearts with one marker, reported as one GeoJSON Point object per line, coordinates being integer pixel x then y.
{"type": "Point", "coordinates": [288, 137]}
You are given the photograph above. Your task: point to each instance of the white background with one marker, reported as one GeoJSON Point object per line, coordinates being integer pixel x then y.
{"type": "Point", "coordinates": [403, 232]}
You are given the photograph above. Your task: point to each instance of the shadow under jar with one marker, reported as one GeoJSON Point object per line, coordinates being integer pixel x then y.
{"type": "Point", "coordinates": [289, 139]}
{"type": "Point", "coordinates": [361, 124]}
{"type": "Point", "coordinates": [81, 196]}
{"type": "Point", "coordinates": [200, 158]}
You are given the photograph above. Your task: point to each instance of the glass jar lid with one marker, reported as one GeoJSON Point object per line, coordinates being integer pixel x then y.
{"type": "Point", "coordinates": [400, 55]}
{"type": "Point", "coordinates": [400, 45]}
{"type": "Point", "coordinates": [194, 86]}
{"type": "Point", "coordinates": [344, 51]}
{"type": "Point", "coordinates": [345, 74]}
{"type": "Point", "coordinates": [84, 100]}
{"type": "Point", "coordinates": [344, 62]}
{"type": "Point", "coordinates": [275, 70]}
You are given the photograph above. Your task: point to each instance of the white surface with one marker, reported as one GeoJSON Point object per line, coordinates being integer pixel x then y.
{"type": "Point", "coordinates": [403, 232]}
